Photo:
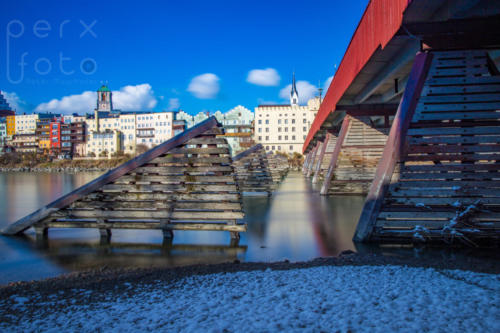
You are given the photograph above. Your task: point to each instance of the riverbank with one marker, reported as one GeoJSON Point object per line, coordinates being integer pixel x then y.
{"type": "Point", "coordinates": [57, 166]}
{"type": "Point", "coordinates": [349, 292]}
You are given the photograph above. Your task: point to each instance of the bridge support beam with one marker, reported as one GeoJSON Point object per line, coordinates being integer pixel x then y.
{"type": "Point", "coordinates": [317, 169]}
{"type": "Point", "coordinates": [357, 155]}
{"type": "Point", "coordinates": [313, 159]}
{"type": "Point", "coordinates": [438, 178]}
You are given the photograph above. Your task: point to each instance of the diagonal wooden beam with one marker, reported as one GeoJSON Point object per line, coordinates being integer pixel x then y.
{"type": "Point", "coordinates": [313, 158]}
{"type": "Point", "coordinates": [247, 152]}
{"type": "Point", "coordinates": [317, 172]}
{"type": "Point", "coordinates": [335, 155]}
{"type": "Point", "coordinates": [393, 148]}
{"type": "Point", "coordinates": [112, 175]}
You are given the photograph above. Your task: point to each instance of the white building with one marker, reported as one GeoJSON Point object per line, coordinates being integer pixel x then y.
{"type": "Point", "coordinates": [154, 128]}
{"type": "Point", "coordinates": [103, 144]}
{"type": "Point", "coordinates": [284, 128]}
{"type": "Point", "coordinates": [26, 123]}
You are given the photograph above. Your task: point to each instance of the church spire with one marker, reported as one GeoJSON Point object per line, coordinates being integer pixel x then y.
{"type": "Point", "coordinates": [294, 95]}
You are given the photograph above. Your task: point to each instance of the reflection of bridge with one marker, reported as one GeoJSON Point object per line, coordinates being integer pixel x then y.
{"type": "Point", "coordinates": [416, 132]}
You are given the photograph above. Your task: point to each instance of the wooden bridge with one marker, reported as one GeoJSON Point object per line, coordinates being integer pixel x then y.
{"type": "Point", "coordinates": [185, 183]}
{"type": "Point", "coordinates": [411, 119]}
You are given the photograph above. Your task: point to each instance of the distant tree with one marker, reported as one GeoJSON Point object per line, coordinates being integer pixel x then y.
{"type": "Point", "coordinates": [103, 153]}
{"type": "Point", "coordinates": [91, 154]}
{"type": "Point", "coordinates": [141, 148]}
{"type": "Point", "coordinates": [296, 160]}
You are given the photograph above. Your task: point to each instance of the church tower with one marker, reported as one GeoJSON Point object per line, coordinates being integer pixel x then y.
{"type": "Point", "coordinates": [294, 95]}
{"type": "Point", "coordinates": [104, 99]}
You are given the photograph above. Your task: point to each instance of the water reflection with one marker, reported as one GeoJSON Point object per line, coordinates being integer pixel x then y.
{"type": "Point", "coordinates": [296, 223]}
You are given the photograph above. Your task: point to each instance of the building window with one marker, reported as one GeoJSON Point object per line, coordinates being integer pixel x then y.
{"type": "Point", "coordinates": [279, 137]}
{"type": "Point", "coordinates": [291, 147]}
{"type": "Point", "coordinates": [279, 129]}
{"type": "Point", "coordinates": [260, 121]}
{"type": "Point", "coordinates": [293, 137]}
{"type": "Point", "coordinates": [286, 137]}
{"type": "Point", "coordinates": [267, 147]}
{"type": "Point", "coordinates": [272, 147]}
{"type": "Point", "coordinates": [304, 137]}
{"type": "Point", "coordinates": [279, 121]}
{"type": "Point", "coordinates": [260, 138]}
{"type": "Point", "coordinates": [260, 129]}
{"type": "Point", "coordinates": [304, 129]}
{"type": "Point", "coordinates": [267, 138]}
{"type": "Point", "coordinates": [267, 129]}
{"type": "Point", "coordinates": [286, 121]}
{"type": "Point", "coordinates": [267, 121]}
{"type": "Point", "coordinates": [304, 120]}
{"type": "Point", "coordinates": [279, 147]}
{"type": "Point", "coordinates": [293, 129]}
{"type": "Point", "coordinates": [286, 129]}
{"type": "Point", "coordinates": [293, 121]}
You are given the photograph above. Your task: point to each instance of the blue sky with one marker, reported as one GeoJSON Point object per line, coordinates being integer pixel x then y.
{"type": "Point", "coordinates": [161, 54]}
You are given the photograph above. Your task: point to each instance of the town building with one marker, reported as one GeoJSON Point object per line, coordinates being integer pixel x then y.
{"type": "Point", "coordinates": [25, 143]}
{"type": "Point", "coordinates": [43, 134]}
{"type": "Point", "coordinates": [103, 144]}
{"type": "Point", "coordinates": [186, 117]}
{"type": "Point", "coordinates": [3, 134]}
{"type": "Point", "coordinates": [5, 109]}
{"type": "Point", "coordinates": [238, 128]}
{"type": "Point", "coordinates": [284, 127]}
{"type": "Point", "coordinates": [26, 123]}
{"type": "Point", "coordinates": [10, 124]}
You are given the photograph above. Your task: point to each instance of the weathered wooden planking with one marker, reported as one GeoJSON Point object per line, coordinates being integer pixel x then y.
{"type": "Point", "coordinates": [28, 221]}
{"type": "Point", "coordinates": [430, 196]}
{"type": "Point", "coordinates": [358, 157]}
{"type": "Point", "coordinates": [252, 171]}
{"type": "Point", "coordinates": [190, 182]}
{"type": "Point", "coordinates": [147, 225]}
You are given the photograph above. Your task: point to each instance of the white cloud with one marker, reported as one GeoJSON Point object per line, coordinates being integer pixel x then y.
{"type": "Point", "coordinates": [204, 86]}
{"type": "Point", "coordinates": [134, 98]}
{"type": "Point", "coordinates": [327, 84]}
{"type": "Point", "coordinates": [264, 77]}
{"type": "Point", "coordinates": [173, 104]}
{"type": "Point", "coordinates": [304, 88]}
{"type": "Point", "coordinates": [16, 103]}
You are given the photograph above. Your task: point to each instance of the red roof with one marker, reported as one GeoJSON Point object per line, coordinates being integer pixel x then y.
{"type": "Point", "coordinates": [380, 22]}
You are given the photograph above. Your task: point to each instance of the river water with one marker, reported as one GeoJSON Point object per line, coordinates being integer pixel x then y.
{"type": "Point", "coordinates": [296, 223]}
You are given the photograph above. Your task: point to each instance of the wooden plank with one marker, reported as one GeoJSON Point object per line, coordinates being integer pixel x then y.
{"type": "Point", "coordinates": [460, 98]}
{"type": "Point", "coordinates": [247, 152]}
{"type": "Point", "coordinates": [193, 161]}
{"type": "Point", "coordinates": [434, 215]}
{"type": "Point", "coordinates": [450, 148]}
{"type": "Point", "coordinates": [455, 139]}
{"type": "Point", "coordinates": [27, 221]}
{"type": "Point", "coordinates": [454, 157]}
{"type": "Point", "coordinates": [394, 147]}
{"type": "Point", "coordinates": [150, 214]}
{"type": "Point", "coordinates": [152, 204]}
{"type": "Point", "coordinates": [468, 80]}
{"type": "Point", "coordinates": [197, 151]}
{"type": "Point", "coordinates": [186, 188]}
{"type": "Point", "coordinates": [450, 175]}
{"type": "Point", "coordinates": [449, 201]}
{"type": "Point", "coordinates": [195, 197]}
{"type": "Point", "coordinates": [457, 191]}
{"type": "Point", "coordinates": [176, 179]}
{"type": "Point", "coordinates": [445, 184]}
{"type": "Point", "coordinates": [151, 225]}
{"type": "Point", "coordinates": [174, 170]}
{"type": "Point", "coordinates": [460, 89]}
{"type": "Point", "coordinates": [458, 130]}
{"type": "Point", "coordinates": [450, 167]}
{"type": "Point", "coordinates": [495, 115]}
{"type": "Point", "coordinates": [484, 106]}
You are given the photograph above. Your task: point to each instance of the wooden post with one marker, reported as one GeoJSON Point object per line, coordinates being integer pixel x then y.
{"type": "Point", "coordinates": [41, 233]}
{"type": "Point", "coordinates": [317, 173]}
{"type": "Point", "coordinates": [335, 155]}
{"type": "Point", "coordinates": [306, 162]}
{"type": "Point", "coordinates": [311, 163]}
{"type": "Point", "coordinates": [394, 147]}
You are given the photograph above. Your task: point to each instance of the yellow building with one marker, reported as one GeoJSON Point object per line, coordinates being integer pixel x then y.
{"type": "Point", "coordinates": [11, 125]}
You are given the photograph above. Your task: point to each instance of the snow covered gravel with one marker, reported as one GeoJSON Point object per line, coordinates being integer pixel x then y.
{"type": "Point", "coordinates": [319, 299]}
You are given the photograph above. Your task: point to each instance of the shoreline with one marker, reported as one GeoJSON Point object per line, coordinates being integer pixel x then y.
{"type": "Point", "coordinates": [105, 278]}
{"type": "Point", "coordinates": [55, 169]}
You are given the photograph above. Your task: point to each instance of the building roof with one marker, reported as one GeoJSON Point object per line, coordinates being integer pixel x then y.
{"type": "Point", "coordinates": [104, 88]}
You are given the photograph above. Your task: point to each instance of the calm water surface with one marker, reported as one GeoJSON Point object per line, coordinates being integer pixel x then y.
{"type": "Point", "coordinates": [296, 223]}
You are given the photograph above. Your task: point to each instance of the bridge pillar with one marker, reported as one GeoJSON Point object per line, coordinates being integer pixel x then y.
{"type": "Point", "coordinates": [358, 150]}
{"type": "Point", "coordinates": [439, 177]}
{"type": "Point", "coordinates": [313, 158]}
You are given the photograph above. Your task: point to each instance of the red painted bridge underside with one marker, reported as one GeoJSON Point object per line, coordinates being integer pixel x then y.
{"type": "Point", "coordinates": [380, 22]}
